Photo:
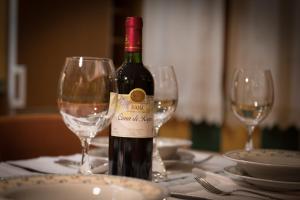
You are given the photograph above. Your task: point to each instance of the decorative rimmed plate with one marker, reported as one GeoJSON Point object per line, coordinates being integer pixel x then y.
{"type": "Point", "coordinates": [271, 164]}
{"type": "Point", "coordinates": [166, 146]}
{"type": "Point", "coordinates": [237, 174]}
{"type": "Point", "coordinates": [78, 187]}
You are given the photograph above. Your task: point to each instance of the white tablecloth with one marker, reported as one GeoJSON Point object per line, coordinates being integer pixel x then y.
{"type": "Point", "coordinates": [181, 178]}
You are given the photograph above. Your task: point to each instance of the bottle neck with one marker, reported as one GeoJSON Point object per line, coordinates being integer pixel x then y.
{"type": "Point", "coordinates": [133, 40]}
{"type": "Point", "coordinates": [133, 57]}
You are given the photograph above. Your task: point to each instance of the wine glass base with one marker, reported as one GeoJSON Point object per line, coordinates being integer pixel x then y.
{"type": "Point", "coordinates": [85, 169]}
{"type": "Point", "coordinates": [158, 177]}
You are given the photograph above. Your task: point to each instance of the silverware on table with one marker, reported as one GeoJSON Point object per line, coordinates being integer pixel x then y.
{"type": "Point", "coordinates": [203, 160]}
{"type": "Point", "coordinates": [212, 189]}
{"type": "Point", "coordinates": [27, 168]}
{"type": "Point", "coordinates": [186, 196]}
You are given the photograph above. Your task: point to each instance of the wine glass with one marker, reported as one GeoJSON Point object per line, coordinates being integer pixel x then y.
{"type": "Point", "coordinates": [87, 97]}
{"type": "Point", "coordinates": [165, 102]}
{"type": "Point", "coordinates": [252, 97]}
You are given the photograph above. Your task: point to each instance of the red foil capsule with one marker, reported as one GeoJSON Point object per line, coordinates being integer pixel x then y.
{"type": "Point", "coordinates": [133, 35]}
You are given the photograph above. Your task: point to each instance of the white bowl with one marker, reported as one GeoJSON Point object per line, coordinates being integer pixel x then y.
{"type": "Point", "coordinates": [78, 187]}
{"type": "Point", "coordinates": [270, 164]}
{"type": "Point", "coordinates": [167, 146]}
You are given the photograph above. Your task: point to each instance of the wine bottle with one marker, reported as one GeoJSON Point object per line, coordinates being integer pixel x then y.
{"type": "Point", "coordinates": [131, 136]}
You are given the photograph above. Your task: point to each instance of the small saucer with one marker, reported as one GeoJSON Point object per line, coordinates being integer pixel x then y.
{"type": "Point", "coordinates": [274, 164]}
{"type": "Point", "coordinates": [237, 174]}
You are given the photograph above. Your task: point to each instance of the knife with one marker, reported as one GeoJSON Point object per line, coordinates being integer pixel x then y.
{"type": "Point", "coordinates": [186, 196]}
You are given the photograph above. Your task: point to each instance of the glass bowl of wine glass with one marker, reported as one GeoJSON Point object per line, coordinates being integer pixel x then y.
{"type": "Point", "coordinates": [252, 98]}
{"type": "Point", "coordinates": [87, 97]}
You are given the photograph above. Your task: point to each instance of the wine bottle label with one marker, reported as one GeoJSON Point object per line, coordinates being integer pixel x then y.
{"type": "Point", "coordinates": [134, 115]}
{"type": "Point", "coordinates": [113, 99]}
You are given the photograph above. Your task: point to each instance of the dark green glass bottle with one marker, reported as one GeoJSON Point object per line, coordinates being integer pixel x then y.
{"type": "Point", "coordinates": [131, 137]}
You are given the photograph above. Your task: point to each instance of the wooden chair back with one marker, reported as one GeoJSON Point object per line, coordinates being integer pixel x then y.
{"type": "Point", "coordinates": [32, 135]}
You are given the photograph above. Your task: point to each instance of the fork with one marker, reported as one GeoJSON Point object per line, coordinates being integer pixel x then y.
{"type": "Point", "coordinates": [210, 188]}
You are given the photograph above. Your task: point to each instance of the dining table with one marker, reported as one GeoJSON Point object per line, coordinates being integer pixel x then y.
{"type": "Point", "coordinates": [180, 182]}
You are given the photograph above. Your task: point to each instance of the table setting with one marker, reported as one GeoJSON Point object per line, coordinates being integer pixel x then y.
{"type": "Point", "coordinates": [180, 184]}
{"type": "Point", "coordinates": [179, 172]}
{"type": "Point", "coordinates": [134, 162]}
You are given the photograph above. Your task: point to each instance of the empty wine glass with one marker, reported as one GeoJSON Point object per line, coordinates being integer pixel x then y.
{"type": "Point", "coordinates": [252, 97]}
{"type": "Point", "coordinates": [87, 97]}
{"type": "Point", "coordinates": [165, 102]}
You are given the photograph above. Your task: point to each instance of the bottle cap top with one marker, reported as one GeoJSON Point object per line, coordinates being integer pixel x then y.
{"type": "Point", "coordinates": [136, 22]}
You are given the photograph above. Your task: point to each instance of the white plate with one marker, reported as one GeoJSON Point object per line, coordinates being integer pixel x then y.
{"type": "Point", "coordinates": [237, 174]}
{"type": "Point", "coordinates": [78, 187]}
{"type": "Point", "coordinates": [272, 164]}
{"type": "Point", "coordinates": [166, 146]}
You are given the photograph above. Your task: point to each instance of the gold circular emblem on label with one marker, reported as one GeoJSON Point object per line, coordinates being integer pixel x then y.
{"type": "Point", "coordinates": [137, 95]}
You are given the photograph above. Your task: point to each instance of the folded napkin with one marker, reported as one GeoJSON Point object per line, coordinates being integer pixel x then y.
{"type": "Point", "coordinates": [49, 164]}
{"type": "Point", "coordinates": [188, 185]}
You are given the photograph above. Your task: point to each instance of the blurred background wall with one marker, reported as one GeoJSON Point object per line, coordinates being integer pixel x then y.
{"type": "Point", "coordinates": [3, 53]}
{"type": "Point", "coordinates": [50, 30]}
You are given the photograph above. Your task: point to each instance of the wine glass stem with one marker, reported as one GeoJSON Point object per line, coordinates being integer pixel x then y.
{"type": "Point", "coordinates": [159, 172]}
{"type": "Point", "coordinates": [85, 167]}
{"type": "Point", "coordinates": [249, 144]}
{"type": "Point", "coordinates": [156, 131]}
